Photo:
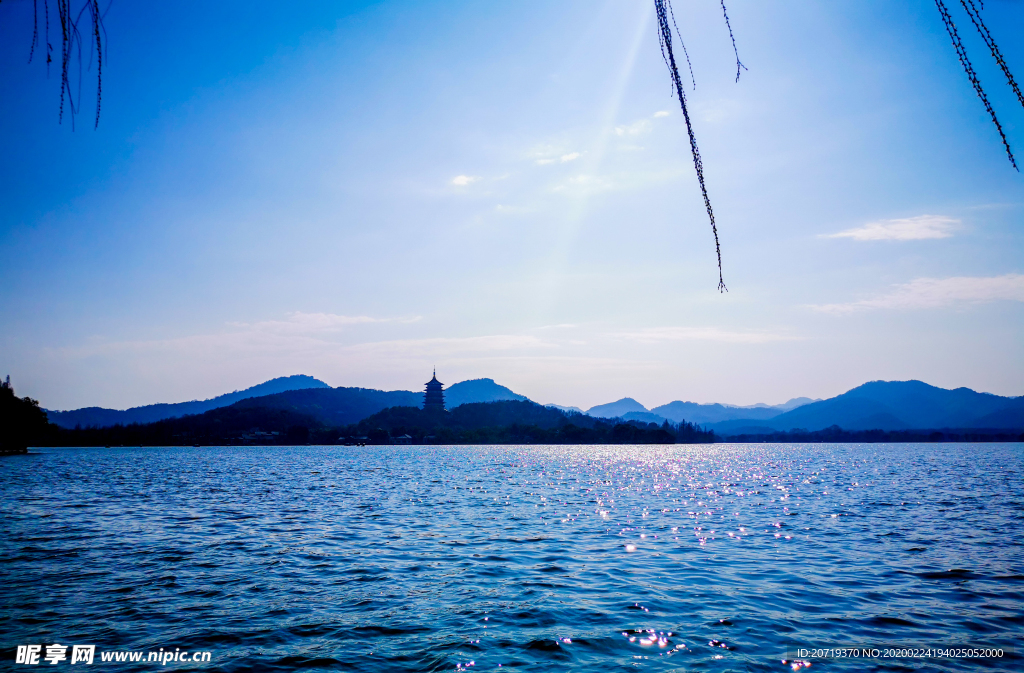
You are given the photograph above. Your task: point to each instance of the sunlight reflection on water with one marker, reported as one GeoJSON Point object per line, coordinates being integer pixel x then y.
{"type": "Point", "coordinates": [441, 558]}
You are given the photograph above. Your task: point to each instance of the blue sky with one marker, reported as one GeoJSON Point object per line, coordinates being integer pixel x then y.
{"type": "Point", "coordinates": [362, 191]}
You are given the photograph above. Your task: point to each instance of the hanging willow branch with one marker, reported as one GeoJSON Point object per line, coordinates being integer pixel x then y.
{"type": "Point", "coordinates": [71, 48]}
{"type": "Point", "coordinates": [681, 44]}
{"type": "Point", "coordinates": [961, 53]}
{"type": "Point", "coordinates": [664, 8]}
{"type": "Point", "coordinates": [728, 25]}
{"type": "Point", "coordinates": [972, 11]}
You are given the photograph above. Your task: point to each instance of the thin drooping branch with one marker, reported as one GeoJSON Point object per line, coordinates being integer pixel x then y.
{"type": "Point", "coordinates": [66, 34]}
{"type": "Point", "coordinates": [49, 47]}
{"type": "Point", "coordinates": [961, 53]}
{"type": "Point", "coordinates": [71, 49]}
{"type": "Point", "coordinates": [663, 8]}
{"type": "Point", "coordinates": [96, 19]}
{"type": "Point", "coordinates": [728, 25]}
{"type": "Point", "coordinates": [35, 29]}
{"type": "Point", "coordinates": [683, 45]}
{"type": "Point", "coordinates": [972, 11]}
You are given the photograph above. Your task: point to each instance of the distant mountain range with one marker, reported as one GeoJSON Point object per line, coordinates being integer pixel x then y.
{"type": "Point", "coordinates": [882, 405]}
{"type": "Point", "coordinates": [478, 390]}
{"type": "Point", "coordinates": [343, 406]}
{"type": "Point", "coordinates": [702, 414]}
{"type": "Point", "coordinates": [566, 409]}
{"type": "Point", "coordinates": [878, 405]}
{"type": "Point", "coordinates": [299, 394]}
{"type": "Point", "coordinates": [892, 405]}
{"type": "Point", "coordinates": [101, 418]}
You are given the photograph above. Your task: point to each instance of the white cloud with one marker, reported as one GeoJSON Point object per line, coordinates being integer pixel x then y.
{"type": "Point", "coordinates": [634, 129]}
{"type": "Point", "coordinates": [463, 180]}
{"type": "Point", "coordinates": [312, 335]}
{"type": "Point", "coordinates": [546, 153]}
{"type": "Point", "coordinates": [906, 229]}
{"type": "Point", "coordinates": [718, 110]}
{"type": "Point", "coordinates": [661, 113]}
{"type": "Point", "coordinates": [446, 347]}
{"type": "Point", "coordinates": [550, 156]}
{"type": "Point", "coordinates": [584, 184]}
{"type": "Point", "coordinates": [313, 323]}
{"type": "Point", "coordinates": [938, 292]}
{"type": "Point", "coordinates": [203, 365]}
{"type": "Point", "coordinates": [300, 332]}
{"type": "Point", "coordinates": [661, 334]}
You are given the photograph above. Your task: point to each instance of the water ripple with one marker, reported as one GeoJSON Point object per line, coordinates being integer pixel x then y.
{"type": "Point", "coordinates": [482, 558]}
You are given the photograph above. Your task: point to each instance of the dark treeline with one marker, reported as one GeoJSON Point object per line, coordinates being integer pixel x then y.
{"type": "Point", "coordinates": [23, 423]}
{"type": "Point", "coordinates": [836, 434]}
{"type": "Point", "coordinates": [509, 422]}
{"type": "Point", "coordinates": [225, 427]}
{"type": "Point", "coordinates": [513, 422]}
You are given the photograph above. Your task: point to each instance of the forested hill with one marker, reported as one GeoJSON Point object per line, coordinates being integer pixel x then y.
{"type": "Point", "coordinates": [335, 407]}
{"type": "Point", "coordinates": [893, 405]}
{"type": "Point", "coordinates": [513, 421]}
{"type": "Point", "coordinates": [878, 405]}
{"type": "Point", "coordinates": [478, 390]}
{"type": "Point", "coordinates": [301, 394]}
{"type": "Point", "coordinates": [100, 417]}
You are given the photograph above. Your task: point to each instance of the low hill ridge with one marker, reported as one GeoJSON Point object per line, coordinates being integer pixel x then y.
{"type": "Point", "coordinates": [302, 395]}
{"type": "Point", "coordinates": [478, 390]}
{"type": "Point", "coordinates": [895, 405]}
{"type": "Point", "coordinates": [882, 405]}
{"type": "Point", "coordinates": [100, 417]}
{"type": "Point", "coordinates": [617, 408]}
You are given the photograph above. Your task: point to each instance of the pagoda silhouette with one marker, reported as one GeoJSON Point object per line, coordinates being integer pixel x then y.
{"type": "Point", "coordinates": [433, 398]}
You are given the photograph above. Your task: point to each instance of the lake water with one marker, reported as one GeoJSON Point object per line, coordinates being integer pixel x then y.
{"type": "Point", "coordinates": [652, 558]}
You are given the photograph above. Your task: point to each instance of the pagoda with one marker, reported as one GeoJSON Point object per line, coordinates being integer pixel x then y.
{"type": "Point", "coordinates": [433, 399]}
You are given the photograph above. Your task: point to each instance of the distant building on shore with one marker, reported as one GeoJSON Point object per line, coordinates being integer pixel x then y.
{"type": "Point", "coordinates": [433, 398]}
